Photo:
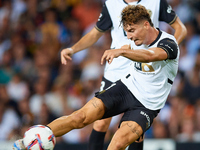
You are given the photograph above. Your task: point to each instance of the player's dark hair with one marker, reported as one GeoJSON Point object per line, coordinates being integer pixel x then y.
{"type": "Point", "coordinates": [133, 14]}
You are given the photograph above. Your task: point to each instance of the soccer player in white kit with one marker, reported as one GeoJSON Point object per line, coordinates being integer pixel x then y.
{"type": "Point", "coordinates": [110, 19]}
{"type": "Point", "coordinates": [142, 92]}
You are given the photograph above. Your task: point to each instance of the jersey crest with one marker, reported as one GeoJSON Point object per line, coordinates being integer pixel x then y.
{"type": "Point", "coordinates": [169, 9]}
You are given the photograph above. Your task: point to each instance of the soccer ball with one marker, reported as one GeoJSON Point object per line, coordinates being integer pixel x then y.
{"type": "Point", "coordinates": [39, 137]}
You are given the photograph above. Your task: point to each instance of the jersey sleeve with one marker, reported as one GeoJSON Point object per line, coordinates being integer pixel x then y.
{"type": "Point", "coordinates": [104, 22]}
{"type": "Point", "coordinates": [170, 47]}
{"type": "Point", "coordinates": [167, 14]}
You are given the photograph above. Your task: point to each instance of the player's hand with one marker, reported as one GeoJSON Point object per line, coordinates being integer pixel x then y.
{"type": "Point", "coordinates": [66, 55]}
{"type": "Point", "coordinates": [109, 55]}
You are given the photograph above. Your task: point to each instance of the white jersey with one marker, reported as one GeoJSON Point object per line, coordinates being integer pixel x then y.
{"type": "Point", "coordinates": [151, 82]}
{"type": "Point", "coordinates": [110, 18]}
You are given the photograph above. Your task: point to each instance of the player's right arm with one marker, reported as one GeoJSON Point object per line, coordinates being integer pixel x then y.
{"type": "Point", "coordinates": [85, 42]}
{"type": "Point", "coordinates": [166, 49]}
{"type": "Point", "coordinates": [103, 24]}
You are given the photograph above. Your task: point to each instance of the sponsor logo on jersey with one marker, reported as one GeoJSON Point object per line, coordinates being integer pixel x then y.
{"type": "Point", "coordinates": [144, 67]}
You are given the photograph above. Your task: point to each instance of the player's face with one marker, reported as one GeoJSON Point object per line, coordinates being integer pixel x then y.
{"type": "Point", "coordinates": [136, 33]}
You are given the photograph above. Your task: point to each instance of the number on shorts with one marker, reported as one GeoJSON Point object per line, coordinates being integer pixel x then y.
{"type": "Point", "coordinates": [102, 85]}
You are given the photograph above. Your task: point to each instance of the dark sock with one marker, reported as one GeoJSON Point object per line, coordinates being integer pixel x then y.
{"type": "Point", "coordinates": [136, 146]}
{"type": "Point", "coordinates": [96, 141]}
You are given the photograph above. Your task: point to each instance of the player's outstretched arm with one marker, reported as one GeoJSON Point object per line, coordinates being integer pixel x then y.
{"type": "Point", "coordinates": [139, 55]}
{"type": "Point", "coordinates": [85, 42]}
{"type": "Point", "coordinates": [146, 56]}
{"type": "Point", "coordinates": [180, 30]}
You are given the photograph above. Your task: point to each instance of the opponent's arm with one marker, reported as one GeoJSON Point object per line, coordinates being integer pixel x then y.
{"type": "Point", "coordinates": [180, 30]}
{"type": "Point", "coordinates": [85, 42]}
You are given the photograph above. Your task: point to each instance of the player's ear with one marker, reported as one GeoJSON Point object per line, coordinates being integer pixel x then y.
{"type": "Point", "coordinates": [146, 24]}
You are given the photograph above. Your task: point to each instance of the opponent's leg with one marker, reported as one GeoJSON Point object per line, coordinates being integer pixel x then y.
{"type": "Point", "coordinates": [128, 133]}
{"type": "Point", "coordinates": [90, 112]}
{"type": "Point", "coordinates": [97, 136]}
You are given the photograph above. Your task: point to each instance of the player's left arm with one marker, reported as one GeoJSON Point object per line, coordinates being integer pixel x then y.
{"type": "Point", "coordinates": [166, 49]}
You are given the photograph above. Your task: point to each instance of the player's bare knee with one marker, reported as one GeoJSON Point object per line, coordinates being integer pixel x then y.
{"type": "Point", "coordinates": [101, 125]}
{"type": "Point", "coordinates": [79, 119]}
{"type": "Point", "coordinates": [119, 145]}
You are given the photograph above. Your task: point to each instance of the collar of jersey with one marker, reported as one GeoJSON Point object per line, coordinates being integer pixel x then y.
{"type": "Point", "coordinates": [158, 37]}
{"type": "Point", "coordinates": [127, 3]}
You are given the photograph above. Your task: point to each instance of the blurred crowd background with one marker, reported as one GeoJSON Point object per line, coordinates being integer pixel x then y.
{"type": "Point", "coordinates": [35, 88]}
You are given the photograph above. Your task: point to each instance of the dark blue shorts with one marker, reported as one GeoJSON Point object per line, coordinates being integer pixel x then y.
{"type": "Point", "coordinates": [118, 99]}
